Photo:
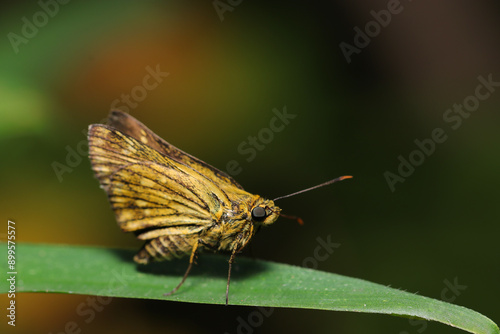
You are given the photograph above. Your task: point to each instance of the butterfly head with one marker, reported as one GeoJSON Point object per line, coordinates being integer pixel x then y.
{"type": "Point", "coordinates": [264, 212]}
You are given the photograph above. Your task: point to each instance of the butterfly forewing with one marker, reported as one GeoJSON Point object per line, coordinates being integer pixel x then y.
{"type": "Point", "coordinates": [149, 190]}
{"type": "Point", "coordinates": [127, 124]}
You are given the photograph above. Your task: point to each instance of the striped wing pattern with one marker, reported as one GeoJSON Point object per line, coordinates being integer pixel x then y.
{"type": "Point", "coordinates": [151, 194]}
{"type": "Point", "coordinates": [127, 124]}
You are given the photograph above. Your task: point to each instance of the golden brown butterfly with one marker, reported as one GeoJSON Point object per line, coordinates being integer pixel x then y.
{"type": "Point", "coordinates": [174, 201]}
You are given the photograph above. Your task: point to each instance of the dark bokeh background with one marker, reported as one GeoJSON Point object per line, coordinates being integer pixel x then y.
{"type": "Point", "coordinates": [226, 77]}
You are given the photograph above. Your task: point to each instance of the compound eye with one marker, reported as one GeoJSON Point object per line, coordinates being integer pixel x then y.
{"type": "Point", "coordinates": [259, 214]}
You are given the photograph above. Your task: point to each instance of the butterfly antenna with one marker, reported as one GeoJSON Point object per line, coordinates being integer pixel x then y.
{"type": "Point", "coordinates": [315, 187]}
{"type": "Point", "coordinates": [298, 219]}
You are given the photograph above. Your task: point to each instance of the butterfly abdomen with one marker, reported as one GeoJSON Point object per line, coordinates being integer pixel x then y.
{"type": "Point", "coordinates": [166, 247]}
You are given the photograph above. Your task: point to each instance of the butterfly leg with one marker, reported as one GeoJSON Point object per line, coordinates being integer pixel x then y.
{"type": "Point", "coordinates": [231, 260]}
{"type": "Point", "coordinates": [191, 260]}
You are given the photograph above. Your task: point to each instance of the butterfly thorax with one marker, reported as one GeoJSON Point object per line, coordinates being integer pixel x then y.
{"type": "Point", "coordinates": [239, 223]}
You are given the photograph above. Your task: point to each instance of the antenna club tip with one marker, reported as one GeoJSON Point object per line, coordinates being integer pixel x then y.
{"type": "Point", "coordinates": [345, 177]}
{"type": "Point", "coordinates": [300, 221]}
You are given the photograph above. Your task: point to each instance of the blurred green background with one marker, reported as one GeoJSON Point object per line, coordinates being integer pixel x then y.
{"type": "Point", "coordinates": [64, 66]}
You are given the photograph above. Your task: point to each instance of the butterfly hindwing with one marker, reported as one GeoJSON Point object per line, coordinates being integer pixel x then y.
{"type": "Point", "coordinates": [147, 194]}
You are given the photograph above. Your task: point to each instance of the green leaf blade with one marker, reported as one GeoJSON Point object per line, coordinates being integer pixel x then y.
{"type": "Point", "coordinates": [112, 273]}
